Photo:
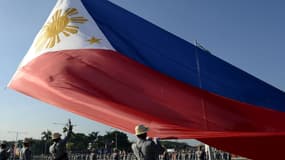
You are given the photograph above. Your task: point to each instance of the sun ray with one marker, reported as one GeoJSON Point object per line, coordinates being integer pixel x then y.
{"type": "Point", "coordinates": [66, 33]}
{"type": "Point", "coordinates": [72, 26]}
{"type": "Point", "coordinates": [70, 12]}
{"type": "Point", "coordinates": [40, 43]}
{"type": "Point", "coordinates": [47, 44]}
{"type": "Point", "coordinates": [56, 15]}
{"type": "Point", "coordinates": [78, 19]}
{"type": "Point", "coordinates": [71, 29]}
{"type": "Point", "coordinates": [57, 38]}
{"type": "Point", "coordinates": [51, 42]}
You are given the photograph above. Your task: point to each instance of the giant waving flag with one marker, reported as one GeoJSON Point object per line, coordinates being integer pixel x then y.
{"type": "Point", "coordinates": [102, 62]}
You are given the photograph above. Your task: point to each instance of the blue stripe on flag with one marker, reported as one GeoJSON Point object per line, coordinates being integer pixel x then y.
{"type": "Point", "coordinates": [156, 48]}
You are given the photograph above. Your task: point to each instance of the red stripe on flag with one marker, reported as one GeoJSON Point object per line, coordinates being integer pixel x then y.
{"type": "Point", "coordinates": [110, 88]}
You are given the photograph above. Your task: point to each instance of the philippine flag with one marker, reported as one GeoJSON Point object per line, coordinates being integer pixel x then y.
{"type": "Point", "coordinates": [102, 62]}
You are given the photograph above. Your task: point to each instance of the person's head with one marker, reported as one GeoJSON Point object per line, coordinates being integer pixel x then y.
{"type": "Point", "coordinates": [26, 142]}
{"type": "Point", "coordinates": [141, 131]}
{"type": "Point", "coordinates": [56, 137]}
{"type": "Point", "coordinates": [3, 144]}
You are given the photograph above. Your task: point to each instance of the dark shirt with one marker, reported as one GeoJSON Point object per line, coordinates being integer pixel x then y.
{"type": "Point", "coordinates": [4, 154]}
{"type": "Point", "coordinates": [147, 150]}
{"type": "Point", "coordinates": [25, 154]}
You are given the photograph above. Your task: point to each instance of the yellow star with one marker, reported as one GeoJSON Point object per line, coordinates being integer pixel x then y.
{"type": "Point", "coordinates": [93, 40]}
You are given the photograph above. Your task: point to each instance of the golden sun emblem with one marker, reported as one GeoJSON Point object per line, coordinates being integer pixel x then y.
{"type": "Point", "coordinates": [60, 23]}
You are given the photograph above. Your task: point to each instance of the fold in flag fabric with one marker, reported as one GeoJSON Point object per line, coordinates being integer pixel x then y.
{"type": "Point", "coordinates": [102, 62]}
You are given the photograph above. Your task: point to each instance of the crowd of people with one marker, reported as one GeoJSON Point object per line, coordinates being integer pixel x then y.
{"type": "Point", "coordinates": [24, 154]}
{"type": "Point", "coordinates": [143, 149]}
{"type": "Point", "coordinates": [57, 149]}
{"type": "Point", "coordinates": [122, 155]}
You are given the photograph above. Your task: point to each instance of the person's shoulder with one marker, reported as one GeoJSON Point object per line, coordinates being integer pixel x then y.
{"type": "Point", "coordinates": [134, 145]}
{"type": "Point", "coordinates": [148, 142]}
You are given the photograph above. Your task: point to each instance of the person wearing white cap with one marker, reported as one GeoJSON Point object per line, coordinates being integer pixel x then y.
{"type": "Point", "coordinates": [146, 148]}
{"type": "Point", "coordinates": [58, 148]}
{"type": "Point", "coordinates": [25, 152]}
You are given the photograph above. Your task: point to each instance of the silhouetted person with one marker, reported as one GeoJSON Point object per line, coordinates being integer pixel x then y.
{"type": "Point", "coordinates": [146, 149]}
{"type": "Point", "coordinates": [4, 153]}
{"type": "Point", "coordinates": [58, 148]}
{"type": "Point", "coordinates": [26, 153]}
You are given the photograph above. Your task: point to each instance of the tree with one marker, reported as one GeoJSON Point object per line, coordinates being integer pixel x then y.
{"type": "Point", "coordinates": [118, 139]}
{"type": "Point", "coordinates": [46, 137]}
{"type": "Point", "coordinates": [37, 146]}
{"type": "Point", "coordinates": [176, 145]}
{"type": "Point", "coordinates": [80, 141]}
{"type": "Point", "coordinates": [93, 136]}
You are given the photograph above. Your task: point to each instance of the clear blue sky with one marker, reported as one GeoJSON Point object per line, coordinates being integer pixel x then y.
{"type": "Point", "coordinates": [247, 34]}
